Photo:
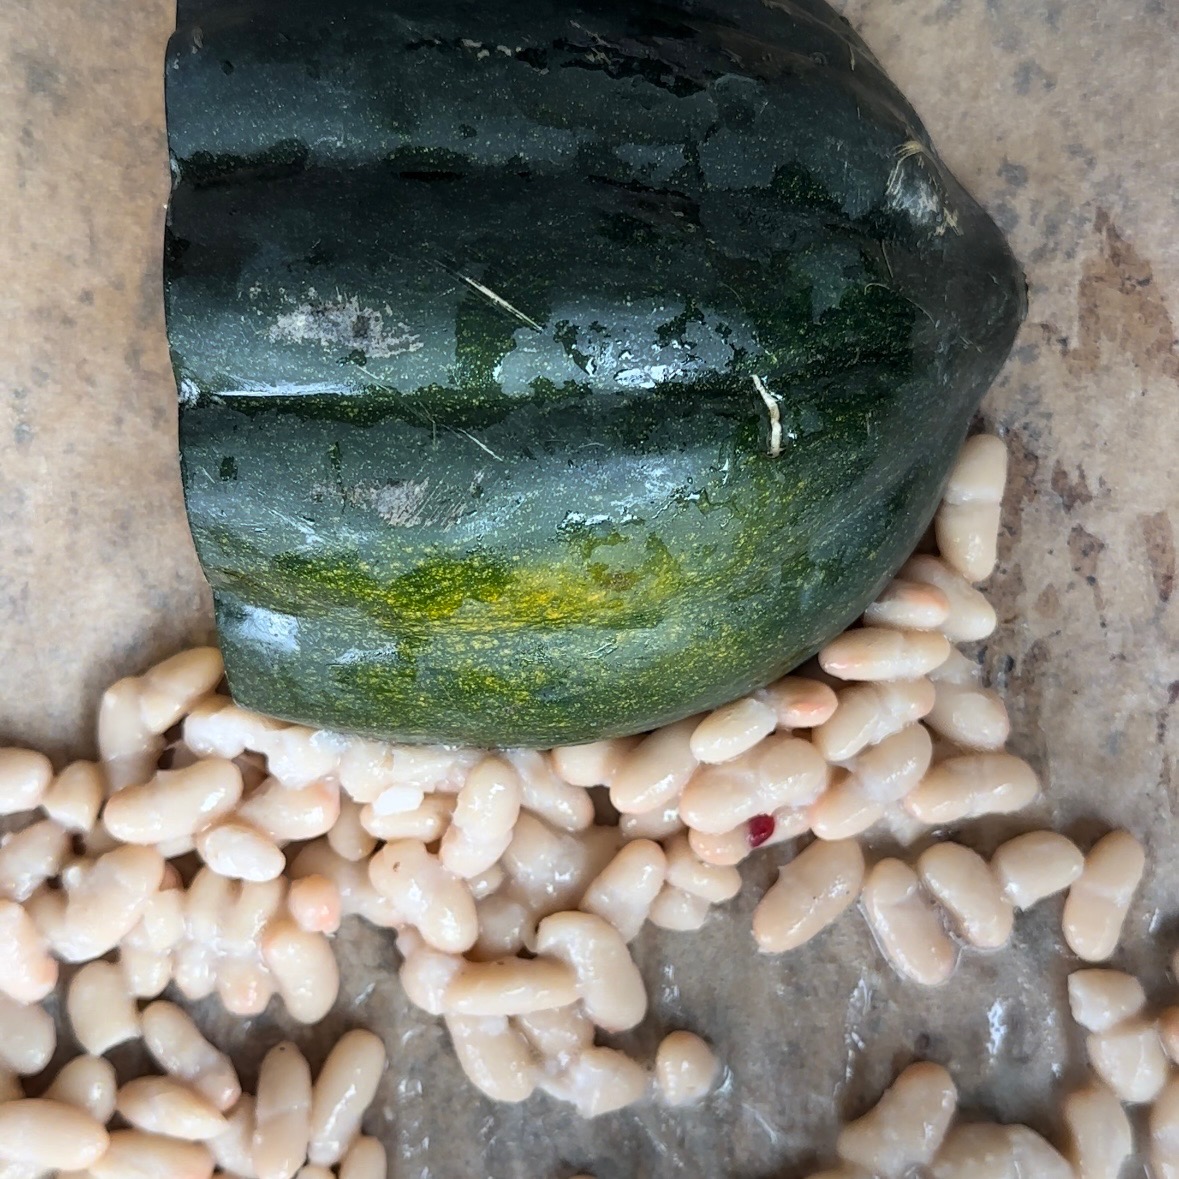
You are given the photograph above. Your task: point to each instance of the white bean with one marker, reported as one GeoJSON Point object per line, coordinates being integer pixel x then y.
{"type": "Point", "coordinates": [599, 1081]}
{"type": "Point", "coordinates": [656, 824]}
{"type": "Point", "coordinates": [128, 748]}
{"type": "Point", "coordinates": [315, 904]}
{"type": "Point", "coordinates": [311, 1171]}
{"type": "Point", "coordinates": [426, 973]}
{"type": "Point", "coordinates": [172, 687]}
{"type": "Point", "coordinates": [506, 926]}
{"type": "Point", "coordinates": [30, 857]}
{"type": "Point", "coordinates": [608, 982]}
{"type": "Point", "coordinates": [233, 1149]}
{"type": "Point", "coordinates": [979, 473]}
{"type": "Point", "coordinates": [50, 1134]}
{"type": "Point", "coordinates": [428, 896]}
{"type": "Point", "coordinates": [971, 616]}
{"type": "Point", "coordinates": [27, 1037]}
{"type": "Point", "coordinates": [905, 1128]}
{"type": "Point", "coordinates": [962, 883]}
{"type": "Point", "coordinates": [216, 727]}
{"type": "Point", "coordinates": [366, 1160]}
{"type": "Point", "coordinates": [163, 1105]}
{"type": "Point", "coordinates": [24, 779]}
{"type": "Point", "coordinates": [622, 893]}
{"type": "Point", "coordinates": [971, 717]}
{"type": "Point", "coordinates": [592, 764]}
{"type": "Point", "coordinates": [175, 803]}
{"type": "Point", "coordinates": [559, 1035]}
{"type": "Point", "coordinates": [726, 850]}
{"type": "Point", "coordinates": [101, 1010]}
{"type": "Point", "coordinates": [1130, 1059]}
{"type": "Point", "coordinates": [485, 813]}
{"type": "Point", "coordinates": [304, 967]}
{"type": "Point", "coordinates": [288, 814]}
{"type": "Point", "coordinates": [1102, 999]}
{"type": "Point", "coordinates": [799, 703]}
{"type": "Point", "coordinates": [656, 770]}
{"type": "Point", "coordinates": [811, 891]}
{"type": "Point", "coordinates": [1099, 899]}
{"type": "Point", "coordinates": [132, 1154]}
{"type": "Point", "coordinates": [1164, 1136]}
{"type": "Point", "coordinates": [299, 756]}
{"type": "Point", "coordinates": [1168, 1029]}
{"type": "Point", "coordinates": [27, 973]}
{"type": "Point", "coordinates": [981, 1151]}
{"type": "Point", "coordinates": [345, 1087]}
{"type": "Point", "coordinates": [356, 891]}
{"type": "Point", "coordinates": [908, 605]}
{"type": "Point", "coordinates": [889, 770]}
{"type": "Point", "coordinates": [905, 924]}
{"type": "Point", "coordinates": [568, 808]}
{"type": "Point", "coordinates": [685, 1068]}
{"type": "Point", "coordinates": [510, 986]}
{"type": "Point", "coordinates": [876, 653]}
{"type": "Point", "coordinates": [347, 837]}
{"type": "Point", "coordinates": [1036, 865]}
{"type": "Point", "coordinates": [868, 713]}
{"type": "Point", "coordinates": [87, 1083]}
{"type": "Point", "coordinates": [972, 786]}
{"type": "Point", "coordinates": [678, 911]}
{"type": "Point", "coordinates": [180, 1050]}
{"type": "Point", "coordinates": [235, 849]}
{"type": "Point", "coordinates": [967, 538]}
{"type": "Point", "coordinates": [550, 870]}
{"type": "Point", "coordinates": [282, 1110]}
{"type": "Point", "coordinates": [1100, 1137]}
{"type": "Point", "coordinates": [732, 729]}
{"type": "Point", "coordinates": [427, 822]}
{"type": "Point", "coordinates": [686, 871]}
{"type": "Point", "coordinates": [844, 810]}
{"type": "Point", "coordinates": [75, 796]}
{"type": "Point", "coordinates": [494, 1055]}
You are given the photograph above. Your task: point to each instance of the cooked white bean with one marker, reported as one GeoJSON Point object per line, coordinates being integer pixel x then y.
{"type": "Point", "coordinates": [677, 910]}
{"type": "Point", "coordinates": [622, 893]}
{"type": "Point", "coordinates": [132, 1154]}
{"type": "Point", "coordinates": [971, 717]}
{"type": "Point", "coordinates": [510, 986]}
{"type": "Point", "coordinates": [1168, 1029]}
{"type": "Point", "coordinates": [343, 1091]}
{"type": "Point", "coordinates": [233, 1149]}
{"type": "Point", "coordinates": [30, 857]}
{"type": "Point", "coordinates": [101, 1009]}
{"type": "Point", "coordinates": [972, 786]}
{"type": "Point", "coordinates": [1036, 865]}
{"type": "Point", "coordinates": [216, 727]}
{"type": "Point", "coordinates": [844, 810]}
{"type": "Point", "coordinates": [428, 896]}
{"type": "Point", "coordinates": [908, 605]}
{"type": "Point", "coordinates": [876, 653]}
{"type": "Point", "coordinates": [163, 1105]}
{"type": "Point", "coordinates": [906, 1126]}
{"type": "Point", "coordinates": [550, 870]}
{"type": "Point", "coordinates": [811, 891]}
{"type": "Point", "coordinates": [147, 972]}
{"type": "Point", "coordinates": [485, 813]}
{"type": "Point", "coordinates": [1100, 1137]}
{"type": "Point", "coordinates": [905, 924]}
{"type": "Point", "coordinates": [128, 748]}
{"type": "Point", "coordinates": [726, 850]}
{"type": "Point", "coordinates": [782, 772]}
{"type": "Point", "coordinates": [315, 904]}
{"type": "Point", "coordinates": [799, 703]}
{"type": "Point", "coordinates": [968, 538]}
{"type": "Point", "coordinates": [732, 729]}
{"type": "Point", "coordinates": [27, 1037]}
{"type": "Point", "coordinates": [366, 1160]}
{"type": "Point", "coordinates": [494, 1055]}
{"type": "Point", "coordinates": [599, 1081]}
{"type": "Point", "coordinates": [304, 967]}
{"type": "Point", "coordinates": [656, 824]}
{"type": "Point", "coordinates": [87, 1083]}
{"type": "Point", "coordinates": [686, 871]}
{"type": "Point", "coordinates": [311, 1171]}
{"type": "Point", "coordinates": [237, 850]}
{"type": "Point", "coordinates": [656, 770]}
{"type": "Point", "coordinates": [963, 884]}
{"type": "Point", "coordinates": [568, 808]}
{"type": "Point", "coordinates": [971, 616]}
{"type": "Point", "coordinates": [24, 779]}
{"type": "Point", "coordinates": [75, 796]}
{"type": "Point", "coordinates": [49, 1134]}
{"type": "Point", "coordinates": [347, 837]}
{"type": "Point", "coordinates": [592, 764]}
{"type": "Point", "coordinates": [506, 926]}
{"type": "Point", "coordinates": [608, 982]}
{"type": "Point", "coordinates": [356, 891]}
{"type": "Point", "coordinates": [427, 822]}
{"type": "Point", "coordinates": [282, 1109]}
{"type": "Point", "coordinates": [1164, 1135]}
{"type": "Point", "coordinates": [981, 1151]}
{"type": "Point", "coordinates": [27, 972]}
{"type": "Point", "coordinates": [426, 973]}
{"type": "Point", "coordinates": [175, 803]}
{"type": "Point", "coordinates": [367, 769]}
{"type": "Point", "coordinates": [172, 687]}
{"type": "Point", "coordinates": [288, 814]}
{"type": "Point", "coordinates": [868, 713]}
{"type": "Point", "coordinates": [887, 771]}
{"type": "Point", "coordinates": [559, 1035]}
{"type": "Point", "coordinates": [1130, 1059]}
{"type": "Point", "coordinates": [180, 1050]}
{"type": "Point", "coordinates": [979, 473]}
{"type": "Point", "coordinates": [1102, 999]}
{"type": "Point", "coordinates": [1099, 898]}
{"type": "Point", "coordinates": [299, 756]}
{"type": "Point", "coordinates": [685, 1068]}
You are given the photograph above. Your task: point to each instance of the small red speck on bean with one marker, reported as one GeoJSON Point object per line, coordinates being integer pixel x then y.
{"type": "Point", "coordinates": [761, 827]}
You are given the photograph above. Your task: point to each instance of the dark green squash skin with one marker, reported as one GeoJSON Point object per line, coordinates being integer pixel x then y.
{"type": "Point", "coordinates": [429, 516]}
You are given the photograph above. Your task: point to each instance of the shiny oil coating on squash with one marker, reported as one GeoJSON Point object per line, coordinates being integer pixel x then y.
{"type": "Point", "coordinates": [550, 371]}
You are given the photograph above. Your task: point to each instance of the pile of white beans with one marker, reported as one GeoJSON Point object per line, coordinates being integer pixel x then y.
{"type": "Point", "coordinates": [217, 851]}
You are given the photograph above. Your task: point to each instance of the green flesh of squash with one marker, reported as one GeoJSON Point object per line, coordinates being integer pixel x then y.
{"type": "Point", "coordinates": [550, 371]}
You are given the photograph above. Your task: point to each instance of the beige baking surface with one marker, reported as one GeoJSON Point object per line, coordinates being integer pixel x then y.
{"type": "Point", "coordinates": [1063, 117]}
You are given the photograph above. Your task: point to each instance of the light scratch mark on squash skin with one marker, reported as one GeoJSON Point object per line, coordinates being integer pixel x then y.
{"type": "Point", "coordinates": [501, 302]}
{"type": "Point", "coordinates": [775, 412]}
